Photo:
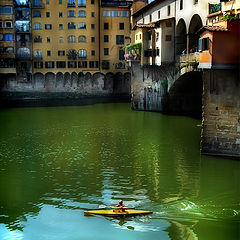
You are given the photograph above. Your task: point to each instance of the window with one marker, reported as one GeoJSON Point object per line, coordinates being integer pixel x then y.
{"type": "Point", "coordinates": [6, 50]}
{"type": "Point", "coordinates": [48, 39]}
{"type": "Point", "coordinates": [61, 64]}
{"type": "Point", "coordinates": [6, 10]}
{"type": "Point", "coordinates": [82, 38]}
{"type": "Point", "coordinates": [82, 64]}
{"type": "Point", "coordinates": [36, 14]}
{"type": "Point", "coordinates": [82, 13]}
{"type": "Point", "coordinates": [38, 64]}
{"type": "Point", "coordinates": [82, 25]}
{"type": "Point", "coordinates": [105, 26]}
{"type": "Point", "coordinates": [72, 54]}
{"type": "Point", "coordinates": [23, 52]}
{"type": "Point", "coordinates": [106, 39]}
{"type": "Point", "coordinates": [92, 1]}
{"type": "Point", "coordinates": [82, 54]}
{"type": "Point", "coordinates": [150, 18]}
{"type": "Point", "coordinates": [49, 64]}
{"type": "Point", "coordinates": [71, 13]}
{"type": "Point", "coordinates": [92, 14]}
{"type": "Point", "coordinates": [48, 53]}
{"type": "Point", "coordinates": [169, 10]}
{"type": "Point", "coordinates": [47, 14]}
{"type": "Point", "coordinates": [1, 24]}
{"type": "Point", "coordinates": [60, 14]}
{"type": "Point", "coordinates": [121, 26]}
{"type": "Point", "coordinates": [8, 37]}
{"type": "Point", "coordinates": [181, 4]}
{"type": "Point", "coordinates": [168, 38]}
{"type": "Point", "coordinates": [72, 64]}
{"type": "Point", "coordinates": [203, 44]}
{"type": "Point", "coordinates": [22, 26]}
{"type": "Point", "coordinates": [121, 54]}
{"type": "Point", "coordinates": [48, 26]}
{"type": "Point", "coordinates": [71, 3]}
{"type": "Point", "coordinates": [105, 65]}
{"type": "Point", "coordinates": [196, 1]}
{"type": "Point", "coordinates": [47, 2]}
{"type": "Point", "coordinates": [124, 13]}
{"type": "Point", "coordinates": [119, 39]}
{"type": "Point", "coordinates": [61, 53]}
{"type": "Point", "coordinates": [71, 39]}
{"type": "Point", "coordinates": [149, 36]}
{"type": "Point", "coordinates": [93, 64]}
{"type": "Point", "coordinates": [37, 39]}
{"type": "Point", "coordinates": [106, 13]}
{"type": "Point", "coordinates": [116, 13]}
{"type": "Point", "coordinates": [93, 52]}
{"type": "Point", "coordinates": [92, 26]}
{"type": "Point", "coordinates": [61, 39]}
{"type": "Point", "coordinates": [8, 24]}
{"type": "Point", "coordinates": [159, 14]}
{"type": "Point", "coordinates": [81, 3]}
{"type": "Point", "coordinates": [37, 54]}
{"type": "Point", "coordinates": [106, 51]}
{"type": "Point", "coordinates": [60, 2]}
{"type": "Point", "coordinates": [92, 39]}
{"type": "Point", "coordinates": [71, 25]}
{"type": "Point", "coordinates": [60, 27]}
{"type": "Point", "coordinates": [37, 26]}
{"type": "Point", "coordinates": [120, 65]}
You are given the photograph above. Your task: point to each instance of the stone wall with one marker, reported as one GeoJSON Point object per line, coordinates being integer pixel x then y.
{"type": "Point", "coordinates": [221, 113]}
{"type": "Point", "coordinates": [149, 85]}
{"type": "Point", "coordinates": [86, 84]}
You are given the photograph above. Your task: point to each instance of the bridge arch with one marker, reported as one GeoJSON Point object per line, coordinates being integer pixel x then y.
{"type": "Point", "coordinates": [181, 36]}
{"type": "Point", "coordinates": [194, 26]}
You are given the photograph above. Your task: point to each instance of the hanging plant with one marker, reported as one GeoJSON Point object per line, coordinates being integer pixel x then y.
{"type": "Point", "coordinates": [229, 17]}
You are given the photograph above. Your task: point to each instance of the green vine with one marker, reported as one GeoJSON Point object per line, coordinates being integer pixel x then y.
{"type": "Point", "coordinates": [229, 17]}
{"type": "Point", "coordinates": [135, 48]}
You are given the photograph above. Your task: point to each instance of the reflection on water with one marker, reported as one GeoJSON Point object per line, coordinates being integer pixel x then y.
{"type": "Point", "coordinates": [57, 162]}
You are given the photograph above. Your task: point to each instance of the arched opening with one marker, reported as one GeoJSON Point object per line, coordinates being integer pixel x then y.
{"type": "Point", "coordinates": [181, 37]}
{"type": "Point", "coordinates": [195, 25]}
{"type": "Point", "coordinates": [185, 95]}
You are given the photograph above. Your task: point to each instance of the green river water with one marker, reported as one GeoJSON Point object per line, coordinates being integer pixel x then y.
{"type": "Point", "coordinates": [56, 162]}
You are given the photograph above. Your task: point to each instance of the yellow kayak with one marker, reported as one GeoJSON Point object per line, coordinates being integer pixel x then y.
{"type": "Point", "coordinates": [117, 212]}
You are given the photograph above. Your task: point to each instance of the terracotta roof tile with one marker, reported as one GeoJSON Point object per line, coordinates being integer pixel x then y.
{"type": "Point", "coordinates": [213, 29]}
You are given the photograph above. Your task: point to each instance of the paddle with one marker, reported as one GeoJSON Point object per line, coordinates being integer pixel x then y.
{"type": "Point", "coordinates": [104, 207]}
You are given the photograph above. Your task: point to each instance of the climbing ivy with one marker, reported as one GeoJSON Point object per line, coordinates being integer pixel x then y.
{"type": "Point", "coordinates": [135, 48]}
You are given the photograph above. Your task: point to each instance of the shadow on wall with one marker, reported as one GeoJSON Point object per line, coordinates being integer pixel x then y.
{"type": "Point", "coordinates": [185, 95]}
{"type": "Point", "coordinates": [88, 84]}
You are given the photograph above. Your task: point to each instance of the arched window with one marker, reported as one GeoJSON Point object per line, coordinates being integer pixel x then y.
{"type": "Point", "coordinates": [82, 54]}
{"type": "Point", "coordinates": [82, 38]}
{"type": "Point", "coordinates": [71, 39]}
{"type": "Point", "coordinates": [82, 25]}
{"type": "Point", "coordinates": [71, 13]}
{"type": "Point", "coordinates": [37, 26]}
{"type": "Point", "coordinates": [71, 3]}
{"type": "Point", "coordinates": [82, 13]}
{"type": "Point", "coordinates": [23, 52]}
{"type": "Point", "coordinates": [71, 25]}
{"type": "Point", "coordinates": [72, 54]}
{"type": "Point", "coordinates": [37, 54]}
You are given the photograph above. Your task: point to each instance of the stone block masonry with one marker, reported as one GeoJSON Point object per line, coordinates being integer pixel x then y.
{"type": "Point", "coordinates": [221, 113]}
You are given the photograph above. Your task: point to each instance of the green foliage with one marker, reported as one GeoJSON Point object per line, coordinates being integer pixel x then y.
{"type": "Point", "coordinates": [229, 17]}
{"type": "Point", "coordinates": [134, 48]}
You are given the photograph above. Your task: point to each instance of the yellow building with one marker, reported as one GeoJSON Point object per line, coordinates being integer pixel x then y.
{"type": "Point", "coordinates": [7, 48]}
{"type": "Point", "coordinates": [79, 36]}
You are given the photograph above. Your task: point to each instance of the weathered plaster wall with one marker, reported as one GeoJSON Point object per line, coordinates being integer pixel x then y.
{"type": "Point", "coordinates": [221, 113]}
{"type": "Point", "coordinates": [86, 84]}
{"type": "Point", "coordinates": [147, 86]}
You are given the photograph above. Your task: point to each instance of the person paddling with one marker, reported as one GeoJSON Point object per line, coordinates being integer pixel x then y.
{"type": "Point", "coordinates": [121, 206]}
